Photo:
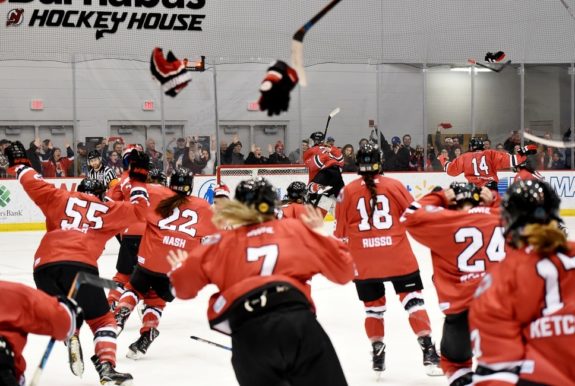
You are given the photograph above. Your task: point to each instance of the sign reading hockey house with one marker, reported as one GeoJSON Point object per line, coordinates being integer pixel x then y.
{"type": "Point", "coordinates": [128, 14]}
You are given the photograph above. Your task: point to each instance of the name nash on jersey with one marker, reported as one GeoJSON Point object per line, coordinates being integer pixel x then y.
{"type": "Point", "coordinates": [174, 241]}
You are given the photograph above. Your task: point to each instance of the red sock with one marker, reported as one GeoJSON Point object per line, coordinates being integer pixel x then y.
{"type": "Point", "coordinates": [374, 324]}
{"type": "Point", "coordinates": [104, 330]}
{"type": "Point", "coordinates": [415, 306]}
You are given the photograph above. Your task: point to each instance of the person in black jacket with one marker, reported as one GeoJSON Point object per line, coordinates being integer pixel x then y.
{"type": "Point", "coordinates": [278, 156]}
{"type": "Point", "coordinates": [256, 157]}
{"type": "Point", "coordinates": [233, 154]}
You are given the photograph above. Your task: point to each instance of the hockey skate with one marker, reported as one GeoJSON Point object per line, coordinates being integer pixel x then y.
{"type": "Point", "coordinates": [75, 357]}
{"type": "Point", "coordinates": [430, 356]}
{"type": "Point", "coordinates": [121, 316]}
{"type": "Point", "coordinates": [378, 358]}
{"type": "Point", "coordinates": [138, 349]}
{"type": "Point", "coordinates": [109, 376]}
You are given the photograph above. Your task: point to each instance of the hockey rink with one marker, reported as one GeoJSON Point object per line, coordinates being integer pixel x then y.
{"type": "Point", "coordinates": [174, 359]}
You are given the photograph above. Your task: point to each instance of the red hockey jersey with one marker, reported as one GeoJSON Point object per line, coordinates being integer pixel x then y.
{"type": "Point", "coordinates": [322, 157]}
{"type": "Point", "coordinates": [464, 244]}
{"type": "Point", "coordinates": [243, 259]}
{"type": "Point", "coordinates": [378, 243]}
{"type": "Point", "coordinates": [183, 229]}
{"type": "Point", "coordinates": [25, 310]}
{"type": "Point", "coordinates": [292, 210]}
{"type": "Point", "coordinates": [78, 225]}
{"type": "Point", "coordinates": [480, 167]}
{"type": "Point", "coordinates": [524, 315]}
{"type": "Point", "coordinates": [116, 193]}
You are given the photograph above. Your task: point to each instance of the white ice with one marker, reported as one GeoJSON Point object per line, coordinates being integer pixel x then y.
{"type": "Point", "coordinates": [174, 359]}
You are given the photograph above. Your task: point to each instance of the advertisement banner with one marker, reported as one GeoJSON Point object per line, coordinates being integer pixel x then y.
{"type": "Point", "coordinates": [18, 211]}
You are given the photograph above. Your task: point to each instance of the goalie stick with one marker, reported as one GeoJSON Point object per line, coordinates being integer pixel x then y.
{"type": "Point", "coordinates": [210, 342]}
{"type": "Point", "coordinates": [80, 279]}
{"type": "Point", "coordinates": [297, 42]}
{"type": "Point", "coordinates": [549, 142]}
{"type": "Point", "coordinates": [473, 61]}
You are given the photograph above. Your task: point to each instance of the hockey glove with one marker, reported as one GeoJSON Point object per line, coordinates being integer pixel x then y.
{"type": "Point", "coordinates": [494, 57]}
{"type": "Point", "coordinates": [528, 150]}
{"type": "Point", "coordinates": [74, 309]}
{"type": "Point", "coordinates": [16, 154]}
{"type": "Point", "coordinates": [139, 166]}
{"type": "Point", "coordinates": [276, 87]}
{"type": "Point", "coordinates": [169, 71]}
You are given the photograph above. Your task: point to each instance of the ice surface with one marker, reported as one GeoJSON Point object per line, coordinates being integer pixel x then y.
{"type": "Point", "coordinates": [175, 359]}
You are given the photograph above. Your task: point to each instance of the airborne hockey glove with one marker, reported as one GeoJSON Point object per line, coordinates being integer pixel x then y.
{"type": "Point", "coordinates": [494, 57]}
{"type": "Point", "coordinates": [275, 88]}
{"type": "Point", "coordinates": [528, 150]}
{"type": "Point", "coordinates": [16, 154]}
{"type": "Point", "coordinates": [169, 71]}
{"type": "Point", "coordinates": [139, 166]}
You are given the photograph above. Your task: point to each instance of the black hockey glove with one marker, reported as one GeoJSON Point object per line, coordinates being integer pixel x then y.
{"type": "Point", "coordinates": [74, 309]}
{"type": "Point", "coordinates": [276, 87]}
{"type": "Point", "coordinates": [139, 166]}
{"type": "Point", "coordinates": [494, 57]}
{"type": "Point", "coordinates": [169, 71]}
{"type": "Point", "coordinates": [6, 363]}
{"type": "Point", "coordinates": [16, 154]}
{"type": "Point", "coordinates": [528, 150]}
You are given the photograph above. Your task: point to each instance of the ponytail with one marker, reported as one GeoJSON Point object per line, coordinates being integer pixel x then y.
{"type": "Point", "coordinates": [234, 213]}
{"type": "Point", "coordinates": [545, 238]}
{"type": "Point", "coordinates": [167, 205]}
{"type": "Point", "coordinates": [370, 183]}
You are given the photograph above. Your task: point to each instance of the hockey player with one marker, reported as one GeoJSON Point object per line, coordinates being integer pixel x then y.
{"type": "Point", "coordinates": [296, 198]}
{"type": "Point", "coordinates": [480, 166]}
{"type": "Point", "coordinates": [78, 225]}
{"type": "Point", "coordinates": [522, 320]}
{"type": "Point", "coordinates": [177, 220]}
{"type": "Point", "coordinates": [526, 170]}
{"type": "Point", "coordinates": [97, 170]}
{"type": "Point", "coordinates": [264, 299]}
{"type": "Point", "coordinates": [367, 216]}
{"type": "Point", "coordinates": [24, 311]}
{"type": "Point", "coordinates": [465, 241]}
{"type": "Point", "coordinates": [324, 164]}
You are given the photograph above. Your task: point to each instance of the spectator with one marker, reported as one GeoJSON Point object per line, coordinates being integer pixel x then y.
{"type": "Point", "coordinates": [210, 156]}
{"type": "Point", "coordinates": [417, 160]}
{"type": "Point", "coordinates": [180, 148]}
{"type": "Point", "coordinates": [233, 154]}
{"type": "Point", "coordinates": [443, 157]}
{"type": "Point", "coordinates": [223, 147]}
{"type": "Point", "coordinates": [456, 144]}
{"type": "Point", "coordinates": [296, 156]}
{"type": "Point", "coordinates": [255, 157]}
{"type": "Point", "coordinates": [33, 154]}
{"type": "Point", "coordinates": [557, 162]}
{"type": "Point", "coordinates": [155, 156]}
{"type": "Point", "coordinates": [432, 163]}
{"type": "Point", "coordinates": [278, 156]}
{"type": "Point", "coordinates": [192, 157]}
{"type": "Point", "coordinates": [115, 163]}
{"type": "Point", "coordinates": [407, 144]}
{"type": "Point", "coordinates": [170, 163]}
{"type": "Point", "coordinates": [47, 149]}
{"type": "Point", "coordinates": [4, 143]}
{"type": "Point", "coordinates": [330, 141]}
{"type": "Point", "coordinates": [118, 147]}
{"type": "Point", "coordinates": [486, 144]}
{"type": "Point", "coordinates": [447, 143]}
{"type": "Point", "coordinates": [456, 152]}
{"type": "Point", "coordinates": [56, 165]}
{"type": "Point", "coordinates": [499, 147]}
{"type": "Point", "coordinates": [82, 160]}
{"type": "Point", "coordinates": [513, 140]}
{"type": "Point", "coordinates": [349, 165]}
{"type": "Point", "coordinates": [363, 141]}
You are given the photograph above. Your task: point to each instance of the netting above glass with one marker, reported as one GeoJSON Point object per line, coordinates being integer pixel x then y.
{"type": "Point", "coordinates": [240, 31]}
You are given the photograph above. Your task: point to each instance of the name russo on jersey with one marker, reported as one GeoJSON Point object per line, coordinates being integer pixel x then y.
{"type": "Point", "coordinates": [375, 242]}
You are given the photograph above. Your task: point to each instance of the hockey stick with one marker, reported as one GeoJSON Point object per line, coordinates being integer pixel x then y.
{"type": "Point", "coordinates": [549, 142]}
{"type": "Point", "coordinates": [568, 8]}
{"type": "Point", "coordinates": [297, 42]}
{"type": "Point", "coordinates": [210, 342]}
{"type": "Point", "coordinates": [473, 61]}
{"type": "Point", "coordinates": [81, 278]}
{"type": "Point", "coordinates": [333, 113]}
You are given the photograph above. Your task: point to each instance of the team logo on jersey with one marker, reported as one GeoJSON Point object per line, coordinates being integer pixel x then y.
{"type": "Point", "coordinates": [4, 196]}
{"type": "Point", "coordinates": [206, 190]}
{"type": "Point", "coordinates": [15, 17]}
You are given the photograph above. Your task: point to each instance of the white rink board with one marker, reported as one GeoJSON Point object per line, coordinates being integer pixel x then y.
{"type": "Point", "coordinates": [18, 212]}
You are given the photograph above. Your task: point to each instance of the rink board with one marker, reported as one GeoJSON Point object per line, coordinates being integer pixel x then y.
{"type": "Point", "coordinates": [18, 212]}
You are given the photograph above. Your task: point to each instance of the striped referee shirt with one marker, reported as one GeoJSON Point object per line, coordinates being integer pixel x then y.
{"type": "Point", "coordinates": [105, 174]}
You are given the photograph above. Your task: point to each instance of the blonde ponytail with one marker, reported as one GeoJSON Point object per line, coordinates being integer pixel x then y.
{"type": "Point", "coordinates": [234, 213]}
{"type": "Point", "coordinates": [545, 238]}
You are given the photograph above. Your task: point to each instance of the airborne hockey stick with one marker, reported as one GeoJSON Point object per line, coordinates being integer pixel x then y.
{"type": "Point", "coordinates": [473, 61]}
{"type": "Point", "coordinates": [210, 342]}
{"type": "Point", "coordinates": [568, 8]}
{"type": "Point", "coordinates": [333, 113]}
{"type": "Point", "coordinates": [549, 142]}
{"type": "Point", "coordinates": [81, 278]}
{"type": "Point", "coordinates": [297, 42]}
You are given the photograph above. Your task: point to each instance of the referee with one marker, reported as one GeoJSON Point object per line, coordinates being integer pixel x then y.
{"type": "Point", "coordinates": [97, 171]}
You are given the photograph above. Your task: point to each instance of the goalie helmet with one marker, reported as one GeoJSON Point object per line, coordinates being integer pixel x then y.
{"type": "Point", "coordinates": [466, 192]}
{"type": "Point", "coordinates": [317, 137]}
{"type": "Point", "coordinates": [528, 202]}
{"type": "Point", "coordinates": [182, 181]}
{"type": "Point", "coordinates": [92, 186]}
{"type": "Point", "coordinates": [157, 176]}
{"type": "Point", "coordinates": [257, 193]}
{"type": "Point", "coordinates": [368, 160]}
{"type": "Point", "coordinates": [297, 191]}
{"type": "Point", "coordinates": [476, 144]}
